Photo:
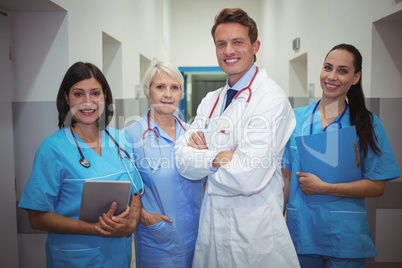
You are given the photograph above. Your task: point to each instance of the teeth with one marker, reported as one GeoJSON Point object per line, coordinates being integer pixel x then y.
{"type": "Point", "coordinates": [88, 111]}
{"type": "Point", "coordinates": [331, 86]}
{"type": "Point", "coordinates": [234, 60]}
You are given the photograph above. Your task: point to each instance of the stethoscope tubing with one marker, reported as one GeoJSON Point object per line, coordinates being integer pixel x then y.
{"type": "Point", "coordinates": [153, 130]}
{"type": "Point", "coordinates": [85, 163]}
{"type": "Point", "coordinates": [235, 97]}
{"type": "Point", "coordinates": [333, 122]}
{"type": "Point", "coordinates": [154, 168]}
{"type": "Point", "coordinates": [131, 161]}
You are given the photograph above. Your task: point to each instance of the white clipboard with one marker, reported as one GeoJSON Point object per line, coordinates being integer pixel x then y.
{"type": "Point", "coordinates": [97, 196]}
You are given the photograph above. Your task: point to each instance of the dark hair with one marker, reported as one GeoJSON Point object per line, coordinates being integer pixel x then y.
{"type": "Point", "coordinates": [77, 72]}
{"type": "Point", "coordinates": [360, 116]}
{"type": "Point", "coordinates": [237, 15]}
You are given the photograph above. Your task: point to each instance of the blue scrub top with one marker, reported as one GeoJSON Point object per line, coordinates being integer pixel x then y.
{"type": "Point", "coordinates": [339, 228]}
{"type": "Point", "coordinates": [164, 244]}
{"type": "Point", "coordinates": [55, 185]}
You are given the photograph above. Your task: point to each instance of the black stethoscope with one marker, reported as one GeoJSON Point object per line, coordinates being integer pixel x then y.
{"type": "Point", "coordinates": [85, 163]}
{"type": "Point", "coordinates": [333, 122]}
{"type": "Point", "coordinates": [157, 138]}
{"type": "Point", "coordinates": [235, 97]}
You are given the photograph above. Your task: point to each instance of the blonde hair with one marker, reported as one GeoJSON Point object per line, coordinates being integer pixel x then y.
{"type": "Point", "coordinates": [166, 67]}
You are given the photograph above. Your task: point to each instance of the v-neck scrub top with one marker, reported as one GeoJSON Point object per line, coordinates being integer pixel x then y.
{"type": "Point", "coordinates": [339, 228]}
{"type": "Point", "coordinates": [55, 185]}
{"type": "Point", "coordinates": [164, 244]}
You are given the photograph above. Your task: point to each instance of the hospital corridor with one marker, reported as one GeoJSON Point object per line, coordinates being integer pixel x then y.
{"type": "Point", "coordinates": [41, 39]}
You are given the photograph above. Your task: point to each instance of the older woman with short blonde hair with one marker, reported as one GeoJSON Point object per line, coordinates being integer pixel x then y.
{"type": "Point", "coordinates": [168, 227]}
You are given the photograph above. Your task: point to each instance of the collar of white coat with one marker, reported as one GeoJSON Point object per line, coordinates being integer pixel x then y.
{"type": "Point", "coordinates": [244, 81]}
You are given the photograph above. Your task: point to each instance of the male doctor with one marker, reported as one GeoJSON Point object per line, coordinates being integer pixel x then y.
{"type": "Point", "coordinates": [239, 148]}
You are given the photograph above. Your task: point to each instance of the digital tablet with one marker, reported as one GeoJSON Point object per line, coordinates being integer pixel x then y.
{"type": "Point", "coordinates": [97, 196]}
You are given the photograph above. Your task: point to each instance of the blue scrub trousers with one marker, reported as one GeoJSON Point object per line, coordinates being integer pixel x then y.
{"type": "Point", "coordinates": [319, 261]}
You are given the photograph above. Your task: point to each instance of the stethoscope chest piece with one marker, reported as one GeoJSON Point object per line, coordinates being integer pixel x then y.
{"type": "Point", "coordinates": [85, 163]}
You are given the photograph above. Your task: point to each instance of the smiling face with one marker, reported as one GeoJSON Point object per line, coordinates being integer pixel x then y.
{"type": "Point", "coordinates": [234, 50]}
{"type": "Point", "coordinates": [86, 101]}
{"type": "Point", "coordinates": [338, 75]}
{"type": "Point", "coordinates": [164, 94]}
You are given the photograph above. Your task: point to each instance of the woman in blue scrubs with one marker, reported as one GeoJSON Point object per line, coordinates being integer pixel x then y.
{"type": "Point", "coordinates": [336, 233]}
{"type": "Point", "coordinates": [82, 149]}
{"type": "Point", "coordinates": [166, 234]}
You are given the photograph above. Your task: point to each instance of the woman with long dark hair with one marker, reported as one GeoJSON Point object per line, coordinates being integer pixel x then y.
{"type": "Point", "coordinates": [84, 148]}
{"type": "Point", "coordinates": [327, 219]}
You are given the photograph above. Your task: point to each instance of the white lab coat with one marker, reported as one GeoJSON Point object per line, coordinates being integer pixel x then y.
{"type": "Point", "coordinates": [241, 221]}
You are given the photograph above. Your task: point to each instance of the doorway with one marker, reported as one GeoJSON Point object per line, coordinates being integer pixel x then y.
{"type": "Point", "coordinates": [198, 81]}
{"type": "Point", "coordinates": [385, 212]}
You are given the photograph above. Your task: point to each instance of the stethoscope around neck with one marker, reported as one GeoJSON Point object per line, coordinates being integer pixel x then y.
{"type": "Point", "coordinates": [85, 163]}
{"type": "Point", "coordinates": [158, 166]}
{"type": "Point", "coordinates": [235, 97]}
{"type": "Point", "coordinates": [333, 122]}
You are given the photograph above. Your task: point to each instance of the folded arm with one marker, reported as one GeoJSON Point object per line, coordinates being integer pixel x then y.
{"type": "Point", "coordinates": [260, 140]}
{"type": "Point", "coordinates": [197, 141]}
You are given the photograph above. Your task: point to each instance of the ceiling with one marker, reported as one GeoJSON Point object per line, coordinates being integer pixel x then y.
{"type": "Point", "coordinates": [28, 5]}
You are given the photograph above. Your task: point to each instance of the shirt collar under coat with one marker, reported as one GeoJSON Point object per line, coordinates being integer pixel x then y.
{"type": "Point", "coordinates": [244, 81]}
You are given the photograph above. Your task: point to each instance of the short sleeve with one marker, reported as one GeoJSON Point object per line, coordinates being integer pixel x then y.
{"type": "Point", "coordinates": [43, 187]}
{"type": "Point", "coordinates": [383, 166]}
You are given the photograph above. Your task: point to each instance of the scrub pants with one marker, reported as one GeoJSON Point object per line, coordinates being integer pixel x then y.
{"type": "Point", "coordinates": [319, 261]}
